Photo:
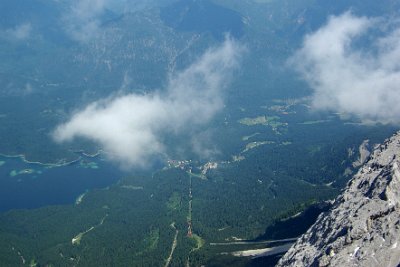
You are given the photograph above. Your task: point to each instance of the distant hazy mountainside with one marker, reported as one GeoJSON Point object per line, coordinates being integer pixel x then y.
{"type": "Point", "coordinates": [363, 226]}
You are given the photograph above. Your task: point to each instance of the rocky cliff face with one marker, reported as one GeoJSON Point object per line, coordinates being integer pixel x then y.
{"type": "Point", "coordinates": [363, 226]}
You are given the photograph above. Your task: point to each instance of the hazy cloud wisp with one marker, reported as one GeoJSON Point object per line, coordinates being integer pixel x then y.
{"type": "Point", "coordinates": [20, 32]}
{"type": "Point", "coordinates": [131, 127]}
{"type": "Point", "coordinates": [82, 21]}
{"type": "Point", "coordinates": [361, 82]}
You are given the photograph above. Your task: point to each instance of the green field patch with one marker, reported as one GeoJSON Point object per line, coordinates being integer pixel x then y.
{"type": "Point", "coordinates": [131, 187]}
{"type": "Point", "coordinates": [286, 143]}
{"type": "Point", "coordinates": [199, 241]}
{"type": "Point", "coordinates": [275, 124]}
{"type": "Point", "coordinates": [272, 121]}
{"type": "Point", "coordinates": [246, 138]}
{"type": "Point", "coordinates": [238, 158]}
{"type": "Point", "coordinates": [33, 263]}
{"type": "Point", "coordinates": [27, 171]}
{"type": "Point", "coordinates": [253, 145]}
{"type": "Point", "coordinates": [263, 120]}
{"type": "Point", "coordinates": [174, 201]}
{"type": "Point", "coordinates": [79, 199]}
{"type": "Point", "coordinates": [77, 239]}
{"type": "Point", "coordinates": [197, 175]}
{"type": "Point", "coordinates": [151, 241]}
{"type": "Point", "coordinates": [313, 122]}
{"type": "Point", "coordinates": [14, 173]}
{"type": "Point", "coordinates": [314, 149]}
{"type": "Point", "coordinates": [88, 164]}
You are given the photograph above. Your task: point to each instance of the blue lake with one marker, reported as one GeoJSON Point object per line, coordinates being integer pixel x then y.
{"type": "Point", "coordinates": [30, 185]}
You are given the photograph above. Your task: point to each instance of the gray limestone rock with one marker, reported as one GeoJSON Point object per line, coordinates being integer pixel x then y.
{"type": "Point", "coordinates": [363, 226]}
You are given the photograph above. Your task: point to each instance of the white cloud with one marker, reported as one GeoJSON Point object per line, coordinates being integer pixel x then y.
{"type": "Point", "coordinates": [363, 82]}
{"type": "Point", "coordinates": [131, 127]}
{"type": "Point", "coordinates": [203, 146]}
{"type": "Point", "coordinates": [20, 32]}
{"type": "Point", "coordinates": [82, 22]}
{"type": "Point", "coordinates": [28, 89]}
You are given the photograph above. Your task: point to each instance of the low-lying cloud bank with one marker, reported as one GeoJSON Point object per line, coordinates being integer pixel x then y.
{"type": "Point", "coordinates": [131, 127]}
{"type": "Point", "coordinates": [361, 82]}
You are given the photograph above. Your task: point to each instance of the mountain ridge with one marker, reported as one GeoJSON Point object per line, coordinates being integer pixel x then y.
{"type": "Point", "coordinates": [363, 226]}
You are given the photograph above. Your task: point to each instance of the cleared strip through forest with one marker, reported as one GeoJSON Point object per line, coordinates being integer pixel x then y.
{"type": "Point", "coordinates": [174, 244]}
